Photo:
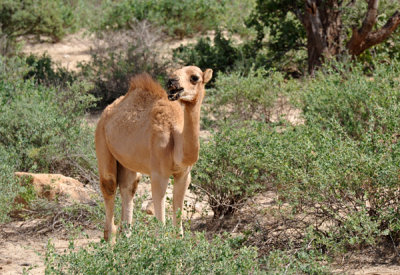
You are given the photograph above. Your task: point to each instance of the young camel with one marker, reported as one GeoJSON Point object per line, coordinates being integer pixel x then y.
{"type": "Point", "coordinates": [152, 132]}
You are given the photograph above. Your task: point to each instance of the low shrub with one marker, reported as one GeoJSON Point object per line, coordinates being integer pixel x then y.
{"type": "Point", "coordinates": [12, 69]}
{"type": "Point", "coordinates": [234, 16]}
{"type": "Point", "coordinates": [8, 184]}
{"type": "Point", "coordinates": [231, 167]}
{"type": "Point", "coordinates": [154, 249]}
{"type": "Point", "coordinates": [43, 127]}
{"type": "Point", "coordinates": [339, 173]}
{"type": "Point", "coordinates": [87, 14]}
{"type": "Point", "coordinates": [45, 72]}
{"type": "Point", "coordinates": [30, 17]}
{"type": "Point", "coordinates": [224, 54]}
{"type": "Point", "coordinates": [251, 97]}
{"type": "Point", "coordinates": [347, 195]}
{"type": "Point", "coordinates": [220, 55]}
{"type": "Point", "coordinates": [177, 18]}
{"type": "Point", "coordinates": [336, 176]}
{"type": "Point", "coordinates": [41, 130]}
{"type": "Point", "coordinates": [361, 104]}
{"type": "Point", "coordinates": [296, 261]}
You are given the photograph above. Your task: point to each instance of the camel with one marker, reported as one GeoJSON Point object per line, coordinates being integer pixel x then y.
{"type": "Point", "coordinates": [154, 132]}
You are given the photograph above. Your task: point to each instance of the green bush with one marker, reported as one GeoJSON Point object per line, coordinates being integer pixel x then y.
{"type": "Point", "coordinates": [177, 18]}
{"type": "Point", "coordinates": [43, 70]}
{"type": "Point", "coordinates": [8, 184]}
{"type": "Point", "coordinates": [42, 126]}
{"type": "Point", "coordinates": [234, 15]}
{"type": "Point", "coordinates": [339, 172]}
{"type": "Point", "coordinates": [298, 261]}
{"type": "Point", "coordinates": [345, 194]}
{"type": "Point", "coordinates": [87, 14]}
{"type": "Point", "coordinates": [154, 249]}
{"type": "Point", "coordinates": [41, 130]}
{"type": "Point", "coordinates": [12, 69]}
{"type": "Point", "coordinates": [337, 175]}
{"type": "Point", "coordinates": [220, 55]}
{"type": "Point", "coordinates": [23, 17]}
{"type": "Point", "coordinates": [230, 170]}
{"type": "Point", "coordinates": [224, 55]}
{"type": "Point", "coordinates": [232, 167]}
{"type": "Point", "coordinates": [362, 105]}
{"type": "Point", "coordinates": [251, 97]}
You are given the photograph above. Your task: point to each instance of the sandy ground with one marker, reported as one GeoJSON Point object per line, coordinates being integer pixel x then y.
{"type": "Point", "coordinates": [19, 251]}
{"type": "Point", "coordinates": [71, 50]}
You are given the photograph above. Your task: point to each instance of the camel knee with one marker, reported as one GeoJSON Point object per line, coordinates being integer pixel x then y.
{"type": "Point", "coordinates": [129, 184]}
{"type": "Point", "coordinates": [108, 187]}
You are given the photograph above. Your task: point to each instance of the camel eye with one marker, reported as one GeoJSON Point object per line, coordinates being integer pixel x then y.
{"type": "Point", "coordinates": [194, 78]}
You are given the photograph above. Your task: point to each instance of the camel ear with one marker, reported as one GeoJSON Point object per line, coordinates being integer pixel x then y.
{"type": "Point", "coordinates": [207, 75]}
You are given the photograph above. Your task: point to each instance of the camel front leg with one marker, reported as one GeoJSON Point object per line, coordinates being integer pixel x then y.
{"type": "Point", "coordinates": [181, 184]}
{"type": "Point", "coordinates": [159, 185]}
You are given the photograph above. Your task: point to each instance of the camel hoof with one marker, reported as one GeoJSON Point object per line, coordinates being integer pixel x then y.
{"type": "Point", "coordinates": [150, 208]}
{"type": "Point", "coordinates": [110, 236]}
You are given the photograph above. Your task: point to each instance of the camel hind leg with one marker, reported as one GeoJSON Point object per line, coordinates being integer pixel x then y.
{"type": "Point", "coordinates": [128, 182]}
{"type": "Point", "coordinates": [108, 184]}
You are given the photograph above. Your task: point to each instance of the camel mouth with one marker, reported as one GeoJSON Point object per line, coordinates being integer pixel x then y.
{"type": "Point", "coordinates": [174, 94]}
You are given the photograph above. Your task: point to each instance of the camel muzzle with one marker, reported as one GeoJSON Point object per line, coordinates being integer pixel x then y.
{"type": "Point", "coordinates": [174, 90]}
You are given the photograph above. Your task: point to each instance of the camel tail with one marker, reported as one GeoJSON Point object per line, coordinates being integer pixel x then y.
{"type": "Point", "coordinates": [145, 82]}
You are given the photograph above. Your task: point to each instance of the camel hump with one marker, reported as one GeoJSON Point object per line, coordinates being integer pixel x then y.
{"type": "Point", "coordinates": [145, 82]}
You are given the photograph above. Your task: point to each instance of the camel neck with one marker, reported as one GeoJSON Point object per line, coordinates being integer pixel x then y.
{"type": "Point", "coordinates": [191, 129]}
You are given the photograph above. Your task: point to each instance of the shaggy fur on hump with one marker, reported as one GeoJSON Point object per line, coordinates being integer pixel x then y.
{"type": "Point", "coordinates": [145, 82]}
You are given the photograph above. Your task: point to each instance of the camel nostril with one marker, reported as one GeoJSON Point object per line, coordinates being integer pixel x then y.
{"type": "Point", "coordinates": [169, 83]}
{"type": "Point", "coordinates": [172, 82]}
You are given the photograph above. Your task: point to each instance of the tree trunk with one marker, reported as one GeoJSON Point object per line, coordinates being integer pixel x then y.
{"type": "Point", "coordinates": [322, 21]}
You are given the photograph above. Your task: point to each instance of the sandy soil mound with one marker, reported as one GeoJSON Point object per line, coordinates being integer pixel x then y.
{"type": "Point", "coordinates": [56, 186]}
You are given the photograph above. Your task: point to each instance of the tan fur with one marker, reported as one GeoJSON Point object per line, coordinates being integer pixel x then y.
{"type": "Point", "coordinates": [144, 132]}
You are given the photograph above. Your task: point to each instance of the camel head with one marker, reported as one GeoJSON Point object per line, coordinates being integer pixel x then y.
{"type": "Point", "coordinates": [187, 83]}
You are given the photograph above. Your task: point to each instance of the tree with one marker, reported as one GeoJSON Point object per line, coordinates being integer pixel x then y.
{"type": "Point", "coordinates": [19, 18]}
{"type": "Point", "coordinates": [320, 22]}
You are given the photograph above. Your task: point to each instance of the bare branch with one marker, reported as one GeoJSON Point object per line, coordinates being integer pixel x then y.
{"type": "Point", "coordinates": [360, 35]}
{"type": "Point", "coordinates": [358, 44]}
{"type": "Point", "coordinates": [370, 19]}
{"type": "Point", "coordinates": [382, 34]}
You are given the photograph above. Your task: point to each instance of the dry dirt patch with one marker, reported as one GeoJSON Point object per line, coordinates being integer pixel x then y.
{"type": "Point", "coordinates": [71, 50]}
{"type": "Point", "coordinates": [19, 252]}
